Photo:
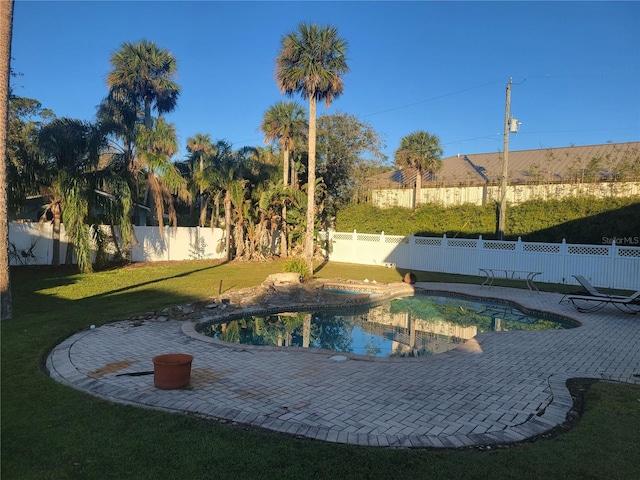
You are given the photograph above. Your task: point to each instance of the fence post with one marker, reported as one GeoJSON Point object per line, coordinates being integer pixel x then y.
{"type": "Point", "coordinates": [613, 253]}
{"type": "Point", "coordinates": [519, 256]}
{"type": "Point", "coordinates": [354, 245]}
{"type": "Point", "coordinates": [411, 247]}
{"type": "Point", "coordinates": [444, 258]}
{"type": "Point", "coordinates": [564, 252]}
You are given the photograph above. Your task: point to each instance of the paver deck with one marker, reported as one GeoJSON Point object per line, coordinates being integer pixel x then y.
{"type": "Point", "coordinates": [499, 387]}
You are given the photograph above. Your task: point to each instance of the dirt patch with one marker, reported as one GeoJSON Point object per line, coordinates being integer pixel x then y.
{"type": "Point", "coordinates": [111, 368]}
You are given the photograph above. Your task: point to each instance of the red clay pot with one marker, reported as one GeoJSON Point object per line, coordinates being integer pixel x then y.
{"type": "Point", "coordinates": [410, 278]}
{"type": "Point", "coordinates": [172, 370]}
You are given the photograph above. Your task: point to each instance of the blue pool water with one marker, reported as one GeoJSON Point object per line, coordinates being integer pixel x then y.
{"type": "Point", "coordinates": [405, 327]}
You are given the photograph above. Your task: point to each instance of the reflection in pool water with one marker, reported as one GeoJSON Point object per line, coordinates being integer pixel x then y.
{"type": "Point", "coordinates": [404, 327]}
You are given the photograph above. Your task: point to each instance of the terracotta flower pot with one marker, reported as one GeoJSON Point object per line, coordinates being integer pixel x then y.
{"type": "Point", "coordinates": [410, 278]}
{"type": "Point", "coordinates": [172, 370]}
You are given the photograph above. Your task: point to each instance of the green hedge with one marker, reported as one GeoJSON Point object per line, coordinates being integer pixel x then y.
{"type": "Point", "coordinates": [578, 220]}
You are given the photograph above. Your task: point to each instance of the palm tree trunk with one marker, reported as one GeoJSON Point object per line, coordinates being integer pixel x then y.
{"type": "Point", "coordinates": [55, 254]}
{"type": "Point", "coordinates": [202, 212]}
{"type": "Point", "coordinates": [148, 120]}
{"type": "Point", "coordinates": [418, 188]}
{"type": "Point", "coordinates": [283, 242]}
{"type": "Point", "coordinates": [311, 185]}
{"type": "Point", "coordinates": [6, 23]}
{"type": "Point", "coordinates": [284, 251]}
{"type": "Point", "coordinates": [217, 210]}
{"type": "Point", "coordinates": [227, 224]}
{"type": "Point", "coordinates": [285, 154]}
{"type": "Point", "coordinates": [294, 175]}
{"type": "Point", "coordinates": [71, 247]}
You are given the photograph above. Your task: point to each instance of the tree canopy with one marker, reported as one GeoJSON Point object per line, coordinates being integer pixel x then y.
{"type": "Point", "coordinates": [349, 151]}
{"type": "Point", "coordinates": [422, 151]}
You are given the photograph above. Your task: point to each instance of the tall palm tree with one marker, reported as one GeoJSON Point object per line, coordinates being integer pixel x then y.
{"type": "Point", "coordinates": [201, 149]}
{"type": "Point", "coordinates": [311, 62]}
{"type": "Point", "coordinates": [142, 80]}
{"type": "Point", "coordinates": [421, 151]}
{"type": "Point", "coordinates": [6, 23]}
{"type": "Point", "coordinates": [145, 72]}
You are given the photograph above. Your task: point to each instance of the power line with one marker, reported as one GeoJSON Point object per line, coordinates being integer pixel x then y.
{"type": "Point", "coordinates": [431, 99]}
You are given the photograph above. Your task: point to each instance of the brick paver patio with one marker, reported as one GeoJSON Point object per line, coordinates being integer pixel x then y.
{"type": "Point", "coordinates": [500, 387]}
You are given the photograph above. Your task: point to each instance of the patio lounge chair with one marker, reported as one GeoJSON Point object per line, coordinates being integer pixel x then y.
{"type": "Point", "coordinates": [588, 289]}
{"type": "Point", "coordinates": [586, 284]}
{"type": "Point", "coordinates": [593, 303]}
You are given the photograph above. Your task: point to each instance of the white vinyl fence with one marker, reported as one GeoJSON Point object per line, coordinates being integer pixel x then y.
{"type": "Point", "coordinates": [612, 266]}
{"type": "Point", "coordinates": [32, 244]}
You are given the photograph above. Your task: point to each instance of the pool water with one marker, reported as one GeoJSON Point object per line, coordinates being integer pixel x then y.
{"type": "Point", "coordinates": [405, 327]}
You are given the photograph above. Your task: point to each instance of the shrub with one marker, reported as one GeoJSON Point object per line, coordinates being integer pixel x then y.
{"type": "Point", "coordinates": [584, 219]}
{"type": "Point", "coordinates": [297, 265]}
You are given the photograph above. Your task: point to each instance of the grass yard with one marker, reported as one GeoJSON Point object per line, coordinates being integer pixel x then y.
{"type": "Point", "coordinates": [50, 431]}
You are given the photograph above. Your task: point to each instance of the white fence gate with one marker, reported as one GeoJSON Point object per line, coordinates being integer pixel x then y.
{"type": "Point", "coordinates": [612, 266]}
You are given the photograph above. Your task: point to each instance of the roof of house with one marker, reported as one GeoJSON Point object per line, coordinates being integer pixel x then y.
{"type": "Point", "coordinates": [550, 165]}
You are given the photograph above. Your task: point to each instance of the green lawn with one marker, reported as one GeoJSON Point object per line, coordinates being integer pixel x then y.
{"type": "Point", "coordinates": [50, 431]}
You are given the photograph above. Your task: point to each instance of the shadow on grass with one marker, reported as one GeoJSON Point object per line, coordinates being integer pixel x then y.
{"type": "Point", "coordinates": [159, 280]}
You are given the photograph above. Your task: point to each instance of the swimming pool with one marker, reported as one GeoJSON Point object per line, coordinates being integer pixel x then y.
{"type": "Point", "coordinates": [404, 327]}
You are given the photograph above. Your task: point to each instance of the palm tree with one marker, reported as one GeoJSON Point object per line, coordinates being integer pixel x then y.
{"type": "Point", "coordinates": [79, 188]}
{"type": "Point", "coordinates": [142, 79]}
{"type": "Point", "coordinates": [144, 72]}
{"type": "Point", "coordinates": [6, 23]}
{"type": "Point", "coordinates": [201, 149]}
{"type": "Point", "coordinates": [156, 146]}
{"type": "Point", "coordinates": [311, 62]}
{"type": "Point", "coordinates": [421, 151]}
{"type": "Point", "coordinates": [70, 148]}
{"type": "Point", "coordinates": [282, 122]}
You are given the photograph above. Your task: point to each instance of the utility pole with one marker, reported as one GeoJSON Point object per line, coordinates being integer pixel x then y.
{"type": "Point", "coordinates": [504, 181]}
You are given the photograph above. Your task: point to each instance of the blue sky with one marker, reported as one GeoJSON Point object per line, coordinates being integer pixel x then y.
{"type": "Point", "coordinates": [435, 66]}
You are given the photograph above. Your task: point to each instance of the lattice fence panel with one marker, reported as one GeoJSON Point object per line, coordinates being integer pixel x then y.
{"type": "Point", "coordinates": [396, 240]}
{"type": "Point", "coordinates": [462, 243]}
{"type": "Point", "coordinates": [540, 248]}
{"type": "Point", "coordinates": [368, 238]}
{"type": "Point", "coordinates": [499, 246]}
{"type": "Point", "coordinates": [342, 236]}
{"type": "Point", "coordinates": [629, 252]}
{"type": "Point", "coordinates": [588, 250]}
{"type": "Point", "coordinates": [433, 242]}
